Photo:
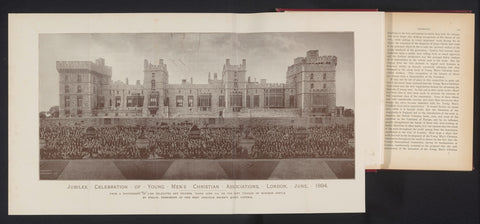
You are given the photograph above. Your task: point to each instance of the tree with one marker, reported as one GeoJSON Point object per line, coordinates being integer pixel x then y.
{"type": "Point", "coordinates": [43, 115]}
{"type": "Point", "coordinates": [349, 113]}
{"type": "Point", "coordinates": [54, 111]}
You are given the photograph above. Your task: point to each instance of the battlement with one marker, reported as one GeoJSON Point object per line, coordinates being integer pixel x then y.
{"type": "Point", "coordinates": [273, 85]}
{"type": "Point", "coordinates": [314, 58]}
{"type": "Point", "coordinates": [97, 67]}
{"type": "Point", "coordinates": [118, 84]}
{"type": "Point", "coordinates": [323, 90]}
{"type": "Point", "coordinates": [230, 67]}
{"type": "Point", "coordinates": [147, 66]}
{"type": "Point", "coordinates": [327, 62]}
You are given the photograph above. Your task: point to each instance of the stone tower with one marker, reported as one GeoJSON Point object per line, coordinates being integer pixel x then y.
{"type": "Point", "coordinates": [155, 80]}
{"type": "Point", "coordinates": [233, 77]}
{"type": "Point", "coordinates": [313, 78]}
{"type": "Point", "coordinates": [83, 87]}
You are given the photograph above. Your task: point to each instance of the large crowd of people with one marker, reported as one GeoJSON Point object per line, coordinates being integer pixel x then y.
{"type": "Point", "coordinates": [178, 142]}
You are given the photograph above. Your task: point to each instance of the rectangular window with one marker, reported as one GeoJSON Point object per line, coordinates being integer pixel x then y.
{"type": "Point", "coordinates": [236, 100]}
{"type": "Point", "coordinates": [292, 101]}
{"type": "Point", "coordinates": [67, 89]}
{"type": "Point", "coordinates": [153, 101]}
{"type": "Point", "coordinates": [190, 101]}
{"type": "Point", "coordinates": [153, 84]}
{"type": "Point", "coordinates": [134, 101]}
{"type": "Point", "coordinates": [79, 89]}
{"type": "Point", "coordinates": [140, 101]}
{"type": "Point", "coordinates": [101, 101]}
{"type": "Point", "coordinates": [67, 101]}
{"type": "Point", "coordinates": [79, 112]}
{"type": "Point", "coordinates": [130, 101]}
{"type": "Point", "coordinates": [256, 101]}
{"type": "Point", "coordinates": [118, 101]}
{"type": "Point", "coordinates": [274, 101]}
{"type": "Point", "coordinates": [319, 99]}
{"type": "Point", "coordinates": [79, 101]}
{"type": "Point", "coordinates": [166, 102]}
{"type": "Point", "coordinates": [179, 101]}
{"type": "Point", "coordinates": [79, 78]}
{"type": "Point", "coordinates": [221, 101]}
{"type": "Point", "coordinates": [67, 112]}
{"type": "Point", "coordinates": [248, 101]}
{"type": "Point", "coordinates": [204, 101]}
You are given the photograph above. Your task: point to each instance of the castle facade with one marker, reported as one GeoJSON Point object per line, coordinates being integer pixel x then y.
{"type": "Point", "coordinates": [87, 90]}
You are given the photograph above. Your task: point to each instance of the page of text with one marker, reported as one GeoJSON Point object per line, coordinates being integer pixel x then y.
{"type": "Point", "coordinates": [429, 91]}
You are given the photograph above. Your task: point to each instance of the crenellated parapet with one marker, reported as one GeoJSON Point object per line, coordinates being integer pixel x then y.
{"type": "Point", "coordinates": [270, 85]}
{"type": "Point", "coordinates": [161, 66]}
{"type": "Point", "coordinates": [327, 62]}
{"type": "Point", "coordinates": [98, 67]}
{"type": "Point", "coordinates": [239, 67]}
{"type": "Point", "coordinates": [305, 67]}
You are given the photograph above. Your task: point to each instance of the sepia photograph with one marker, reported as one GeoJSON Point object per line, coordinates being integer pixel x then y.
{"type": "Point", "coordinates": [203, 114]}
{"type": "Point", "coordinates": [196, 106]}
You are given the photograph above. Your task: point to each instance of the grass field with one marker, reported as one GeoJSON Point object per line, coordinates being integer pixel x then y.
{"type": "Point", "coordinates": [198, 169]}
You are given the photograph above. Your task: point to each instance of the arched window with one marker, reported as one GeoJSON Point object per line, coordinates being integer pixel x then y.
{"type": "Point", "coordinates": [311, 86]}
{"type": "Point", "coordinates": [324, 75]}
{"type": "Point", "coordinates": [311, 76]}
{"type": "Point", "coordinates": [67, 89]}
{"type": "Point", "coordinates": [79, 78]}
{"type": "Point", "coordinates": [79, 89]}
{"type": "Point", "coordinates": [324, 86]}
{"type": "Point", "coordinates": [153, 83]}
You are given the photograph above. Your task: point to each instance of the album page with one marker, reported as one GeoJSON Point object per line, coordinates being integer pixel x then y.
{"type": "Point", "coordinates": [193, 113]}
